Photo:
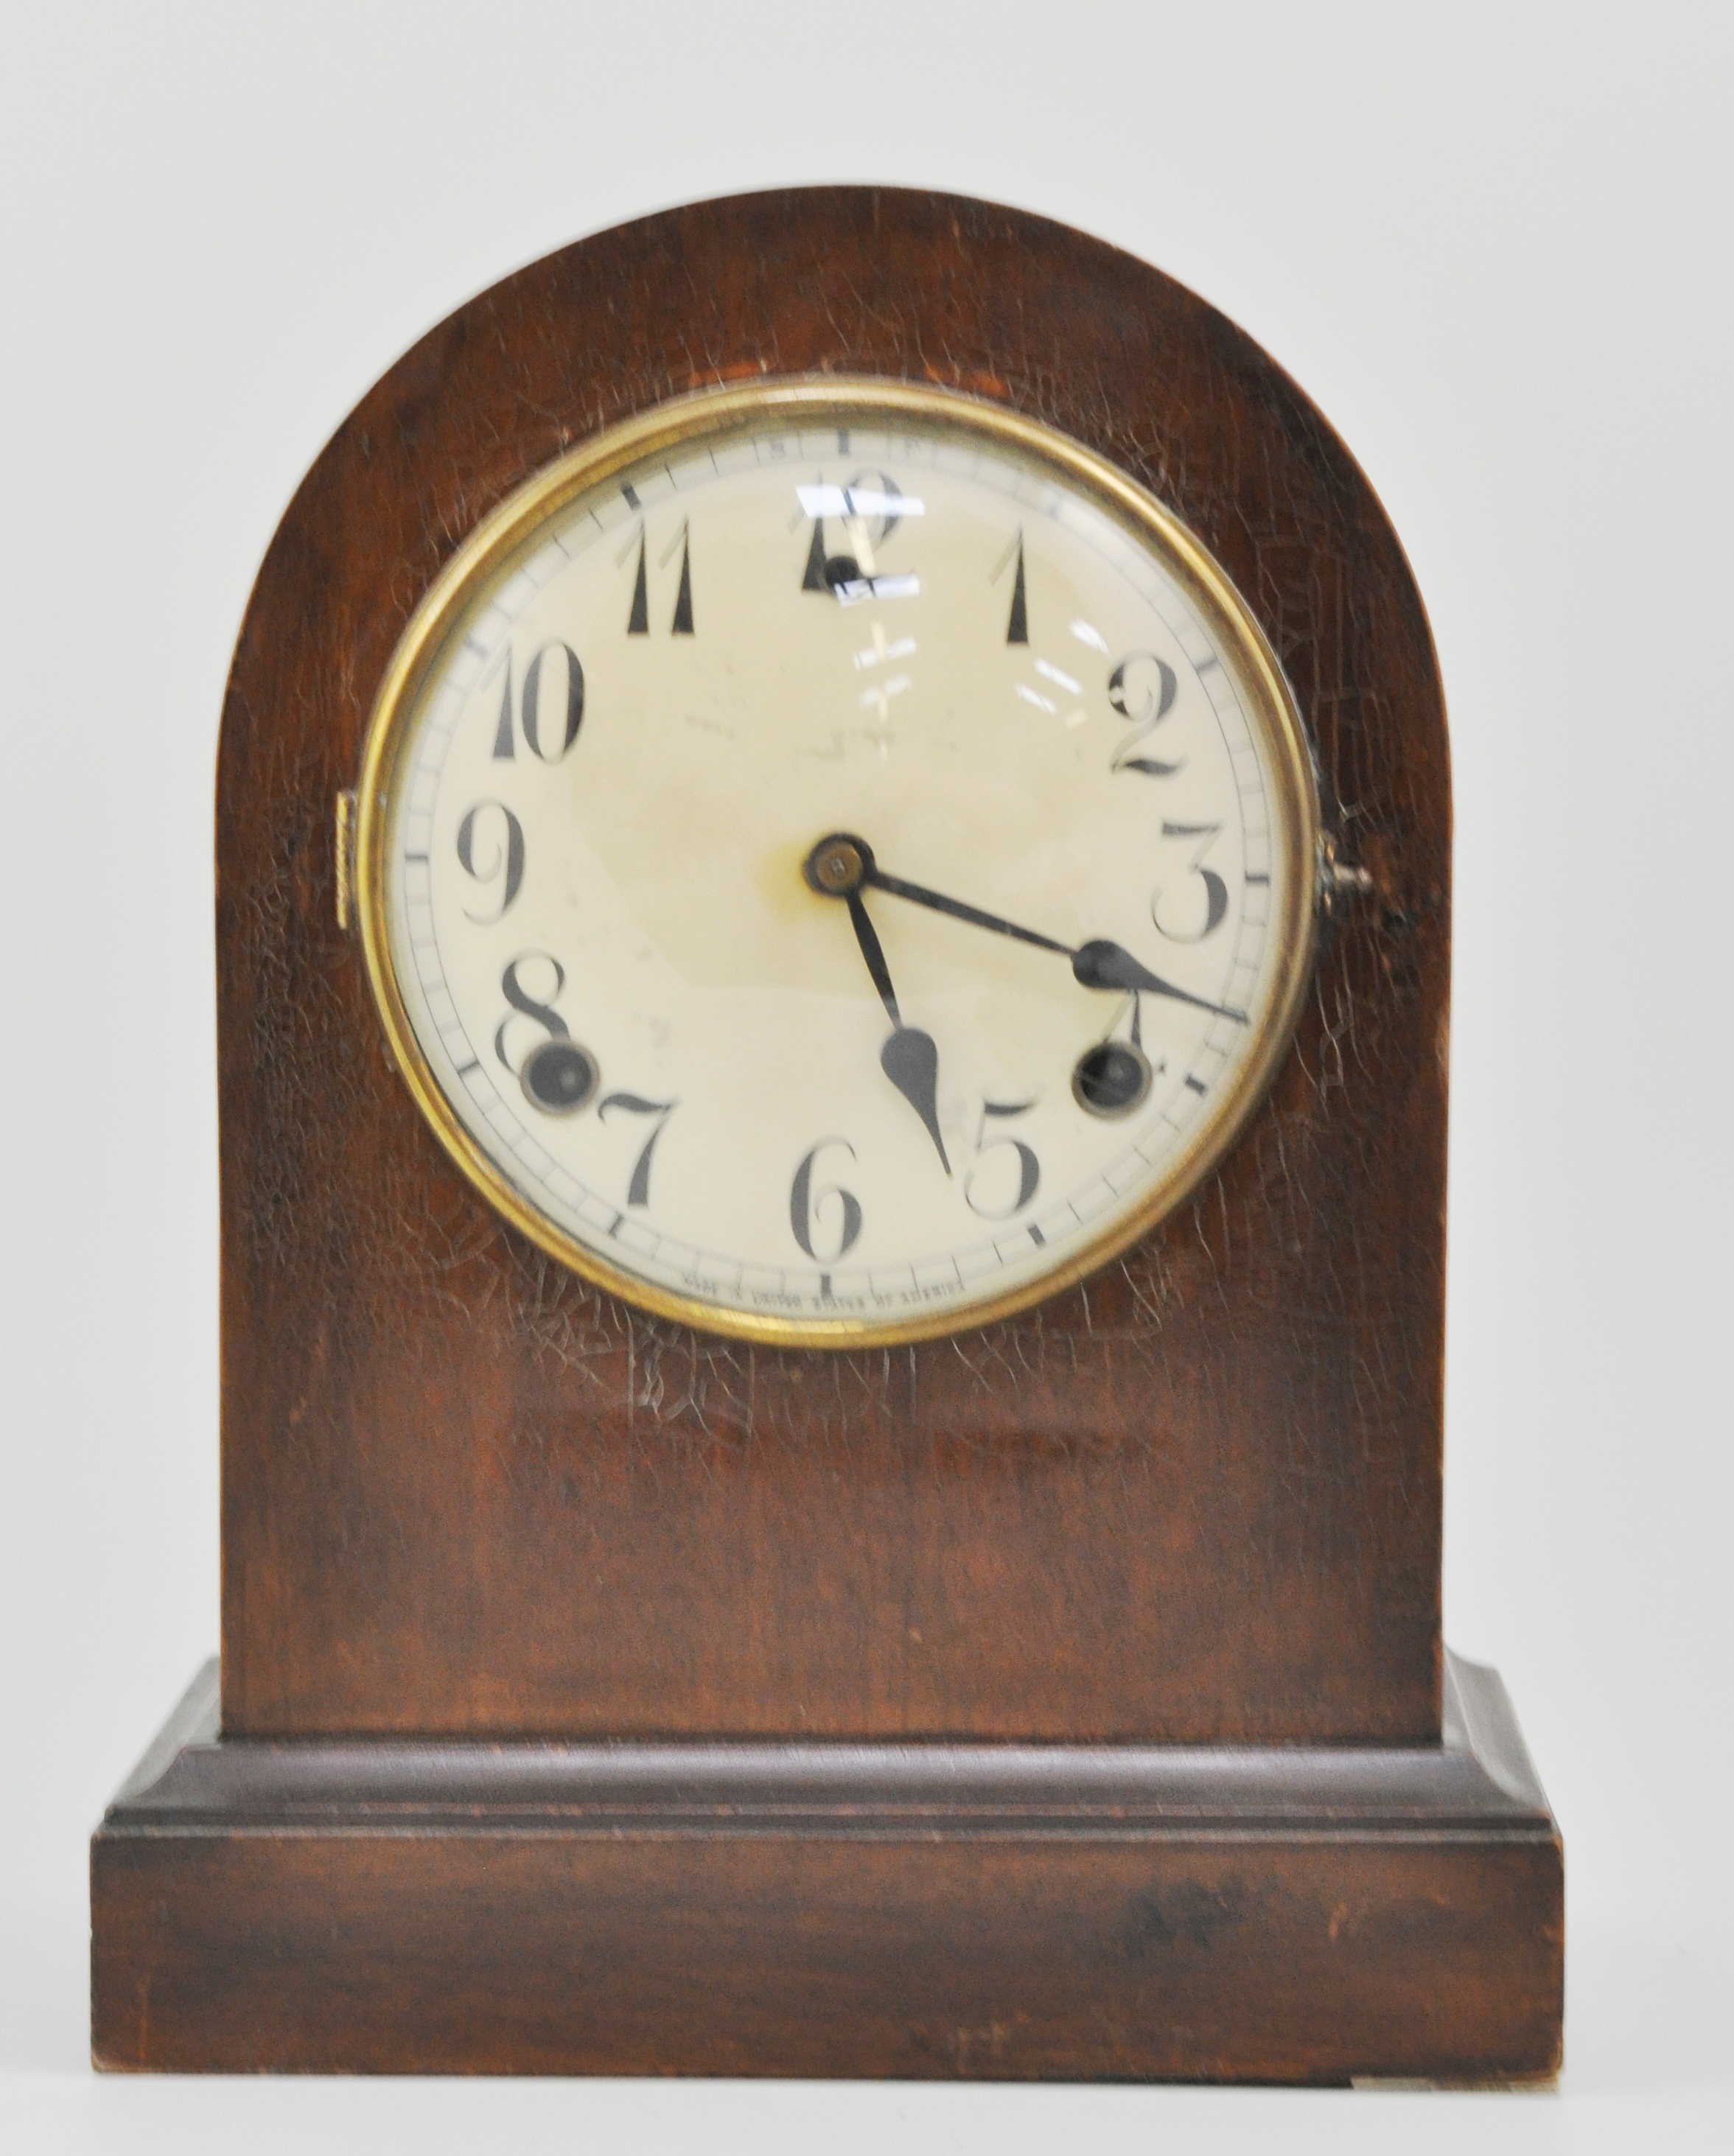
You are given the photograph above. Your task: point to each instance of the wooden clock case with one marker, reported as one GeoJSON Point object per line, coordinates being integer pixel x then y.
{"type": "Point", "coordinates": [1066, 1698]}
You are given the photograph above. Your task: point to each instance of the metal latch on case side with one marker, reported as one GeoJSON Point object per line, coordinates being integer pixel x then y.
{"type": "Point", "coordinates": [344, 854]}
{"type": "Point", "coordinates": [1340, 881]}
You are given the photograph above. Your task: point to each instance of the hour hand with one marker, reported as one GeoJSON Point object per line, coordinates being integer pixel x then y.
{"type": "Point", "coordinates": [909, 1058]}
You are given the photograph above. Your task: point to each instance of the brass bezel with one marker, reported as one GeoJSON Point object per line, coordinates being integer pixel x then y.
{"type": "Point", "coordinates": [512, 527]}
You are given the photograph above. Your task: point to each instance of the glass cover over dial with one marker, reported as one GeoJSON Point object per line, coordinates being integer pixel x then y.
{"type": "Point", "coordinates": [836, 861]}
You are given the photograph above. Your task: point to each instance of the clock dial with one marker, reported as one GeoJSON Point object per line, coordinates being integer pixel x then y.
{"type": "Point", "coordinates": [836, 861]}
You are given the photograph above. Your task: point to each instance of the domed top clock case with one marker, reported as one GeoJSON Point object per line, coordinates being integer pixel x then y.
{"type": "Point", "coordinates": [1206, 1457]}
{"type": "Point", "coordinates": [833, 943]}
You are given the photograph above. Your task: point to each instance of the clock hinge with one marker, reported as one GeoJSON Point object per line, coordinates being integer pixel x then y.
{"type": "Point", "coordinates": [1339, 880]}
{"type": "Point", "coordinates": [344, 852]}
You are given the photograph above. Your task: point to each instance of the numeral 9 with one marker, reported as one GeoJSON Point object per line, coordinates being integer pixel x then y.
{"type": "Point", "coordinates": [502, 862]}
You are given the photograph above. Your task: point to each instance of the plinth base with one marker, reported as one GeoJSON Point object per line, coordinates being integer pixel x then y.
{"type": "Point", "coordinates": [994, 1911]}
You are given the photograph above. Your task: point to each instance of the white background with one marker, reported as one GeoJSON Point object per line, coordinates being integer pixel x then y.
{"type": "Point", "coordinates": [1495, 245]}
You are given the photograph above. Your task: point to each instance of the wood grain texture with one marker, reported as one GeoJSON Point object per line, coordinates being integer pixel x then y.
{"type": "Point", "coordinates": [1196, 1499]}
{"type": "Point", "coordinates": [1307, 1914]}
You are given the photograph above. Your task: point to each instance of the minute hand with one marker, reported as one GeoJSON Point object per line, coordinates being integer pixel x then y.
{"type": "Point", "coordinates": [1097, 964]}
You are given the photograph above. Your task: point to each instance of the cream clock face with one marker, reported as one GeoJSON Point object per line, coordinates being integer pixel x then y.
{"type": "Point", "coordinates": [836, 862]}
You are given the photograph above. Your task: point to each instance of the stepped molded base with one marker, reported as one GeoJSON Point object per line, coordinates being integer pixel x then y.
{"type": "Point", "coordinates": [994, 1911]}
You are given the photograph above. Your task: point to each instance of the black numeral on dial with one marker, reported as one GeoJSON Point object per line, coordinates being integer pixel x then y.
{"type": "Point", "coordinates": [1142, 689]}
{"type": "Point", "coordinates": [558, 1075]}
{"type": "Point", "coordinates": [637, 622]}
{"type": "Point", "coordinates": [867, 508]}
{"type": "Point", "coordinates": [1209, 887]}
{"type": "Point", "coordinates": [1016, 627]}
{"type": "Point", "coordinates": [542, 1014]}
{"type": "Point", "coordinates": [493, 853]}
{"type": "Point", "coordinates": [638, 1191]}
{"type": "Point", "coordinates": [828, 1209]}
{"type": "Point", "coordinates": [989, 1190]}
{"type": "Point", "coordinates": [551, 709]}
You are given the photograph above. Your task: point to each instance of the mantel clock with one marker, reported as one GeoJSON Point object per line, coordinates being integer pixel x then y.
{"type": "Point", "coordinates": [832, 879]}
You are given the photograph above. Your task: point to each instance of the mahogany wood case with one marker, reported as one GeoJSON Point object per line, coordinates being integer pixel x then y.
{"type": "Point", "coordinates": [1192, 1502]}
